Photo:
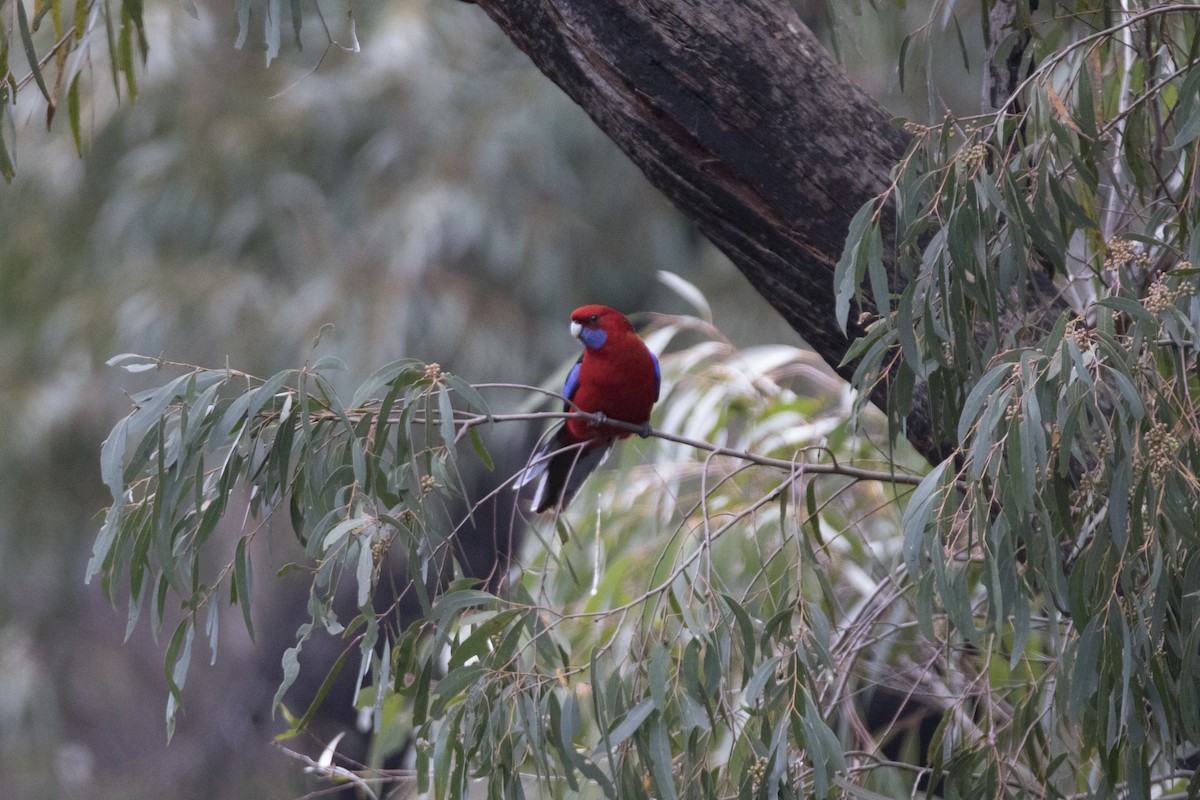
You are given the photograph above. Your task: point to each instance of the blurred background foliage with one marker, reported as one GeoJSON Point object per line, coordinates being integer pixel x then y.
{"type": "Point", "coordinates": [430, 195]}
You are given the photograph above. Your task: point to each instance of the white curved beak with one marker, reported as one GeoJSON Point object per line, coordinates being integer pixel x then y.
{"type": "Point", "coordinates": [576, 329]}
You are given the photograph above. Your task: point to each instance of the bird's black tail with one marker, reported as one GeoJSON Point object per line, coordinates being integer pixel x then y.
{"type": "Point", "coordinates": [560, 467]}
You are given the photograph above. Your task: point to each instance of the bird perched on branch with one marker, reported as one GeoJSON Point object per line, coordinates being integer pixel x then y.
{"type": "Point", "coordinates": [617, 378]}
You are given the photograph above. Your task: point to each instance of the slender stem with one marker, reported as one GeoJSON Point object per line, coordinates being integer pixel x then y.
{"type": "Point", "coordinates": [794, 465]}
{"type": "Point", "coordinates": [1088, 41]}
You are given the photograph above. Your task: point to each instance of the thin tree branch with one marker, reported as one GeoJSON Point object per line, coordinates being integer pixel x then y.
{"type": "Point", "coordinates": [477, 420]}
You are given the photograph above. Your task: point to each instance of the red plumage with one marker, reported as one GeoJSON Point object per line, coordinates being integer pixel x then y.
{"type": "Point", "coordinates": [616, 376]}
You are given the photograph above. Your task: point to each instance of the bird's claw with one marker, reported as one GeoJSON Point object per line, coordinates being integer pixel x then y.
{"type": "Point", "coordinates": [645, 430]}
{"type": "Point", "coordinates": [598, 418]}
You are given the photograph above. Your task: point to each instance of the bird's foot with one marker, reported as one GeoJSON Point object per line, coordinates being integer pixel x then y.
{"type": "Point", "coordinates": [646, 431]}
{"type": "Point", "coordinates": [598, 418]}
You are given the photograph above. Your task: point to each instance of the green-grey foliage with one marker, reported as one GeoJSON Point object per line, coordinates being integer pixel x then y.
{"type": "Point", "coordinates": [692, 645]}
{"type": "Point", "coordinates": [348, 480]}
{"type": "Point", "coordinates": [1058, 540]}
{"type": "Point", "coordinates": [60, 57]}
{"type": "Point", "coordinates": [54, 59]}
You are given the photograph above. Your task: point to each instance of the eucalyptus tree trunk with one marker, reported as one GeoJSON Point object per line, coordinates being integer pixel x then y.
{"type": "Point", "coordinates": [735, 111]}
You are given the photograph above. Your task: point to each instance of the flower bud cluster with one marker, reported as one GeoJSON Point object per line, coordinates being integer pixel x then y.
{"type": "Point", "coordinates": [1078, 330]}
{"type": "Point", "coordinates": [1124, 253]}
{"type": "Point", "coordinates": [973, 157]}
{"type": "Point", "coordinates": [1161, 450]}
{"type": "Point", "coordinates": [433, 372]}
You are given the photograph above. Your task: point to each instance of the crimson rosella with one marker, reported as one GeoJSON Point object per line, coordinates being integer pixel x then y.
{"type": "Point", "coordinates": [616, 376]}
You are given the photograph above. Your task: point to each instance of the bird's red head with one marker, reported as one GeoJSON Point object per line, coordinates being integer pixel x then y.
{"type": "Point", "coordinates": [593, 324]}
{"type": "Point", "coordinates": [601, 317]}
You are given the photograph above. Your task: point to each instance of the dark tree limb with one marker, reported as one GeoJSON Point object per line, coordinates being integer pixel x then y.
{"type": "Point", "coordinates": [1002, 77]}
{"type": "Point", "coordinates": [735, 111]}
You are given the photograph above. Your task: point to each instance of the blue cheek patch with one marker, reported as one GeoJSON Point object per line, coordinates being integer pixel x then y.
{"type": "Point", "coordinates": [593, 338]}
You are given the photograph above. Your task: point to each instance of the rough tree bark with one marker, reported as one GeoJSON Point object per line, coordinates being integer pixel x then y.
{"type": "Point", "coordinates": [734, 110]}
{"type": "Point", "coordinates": [1001, 78]}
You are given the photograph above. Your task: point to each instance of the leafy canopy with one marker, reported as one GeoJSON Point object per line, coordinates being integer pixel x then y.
{"type": "Point", "coordinates": [710, 628]}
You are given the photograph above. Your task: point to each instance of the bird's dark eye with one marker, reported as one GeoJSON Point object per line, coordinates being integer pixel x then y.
{"type": "Point", "coordinates": [594, 318]}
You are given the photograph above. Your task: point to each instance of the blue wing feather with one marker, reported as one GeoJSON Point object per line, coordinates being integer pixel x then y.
{"type": "Point", "coordinates": [657, 376]}
{"type": "Point", "coordinates": [572, 384]}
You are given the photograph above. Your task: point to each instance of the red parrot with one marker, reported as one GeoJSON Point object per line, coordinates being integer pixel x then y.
{"type": "Point", "coordinates": [616, 376]}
